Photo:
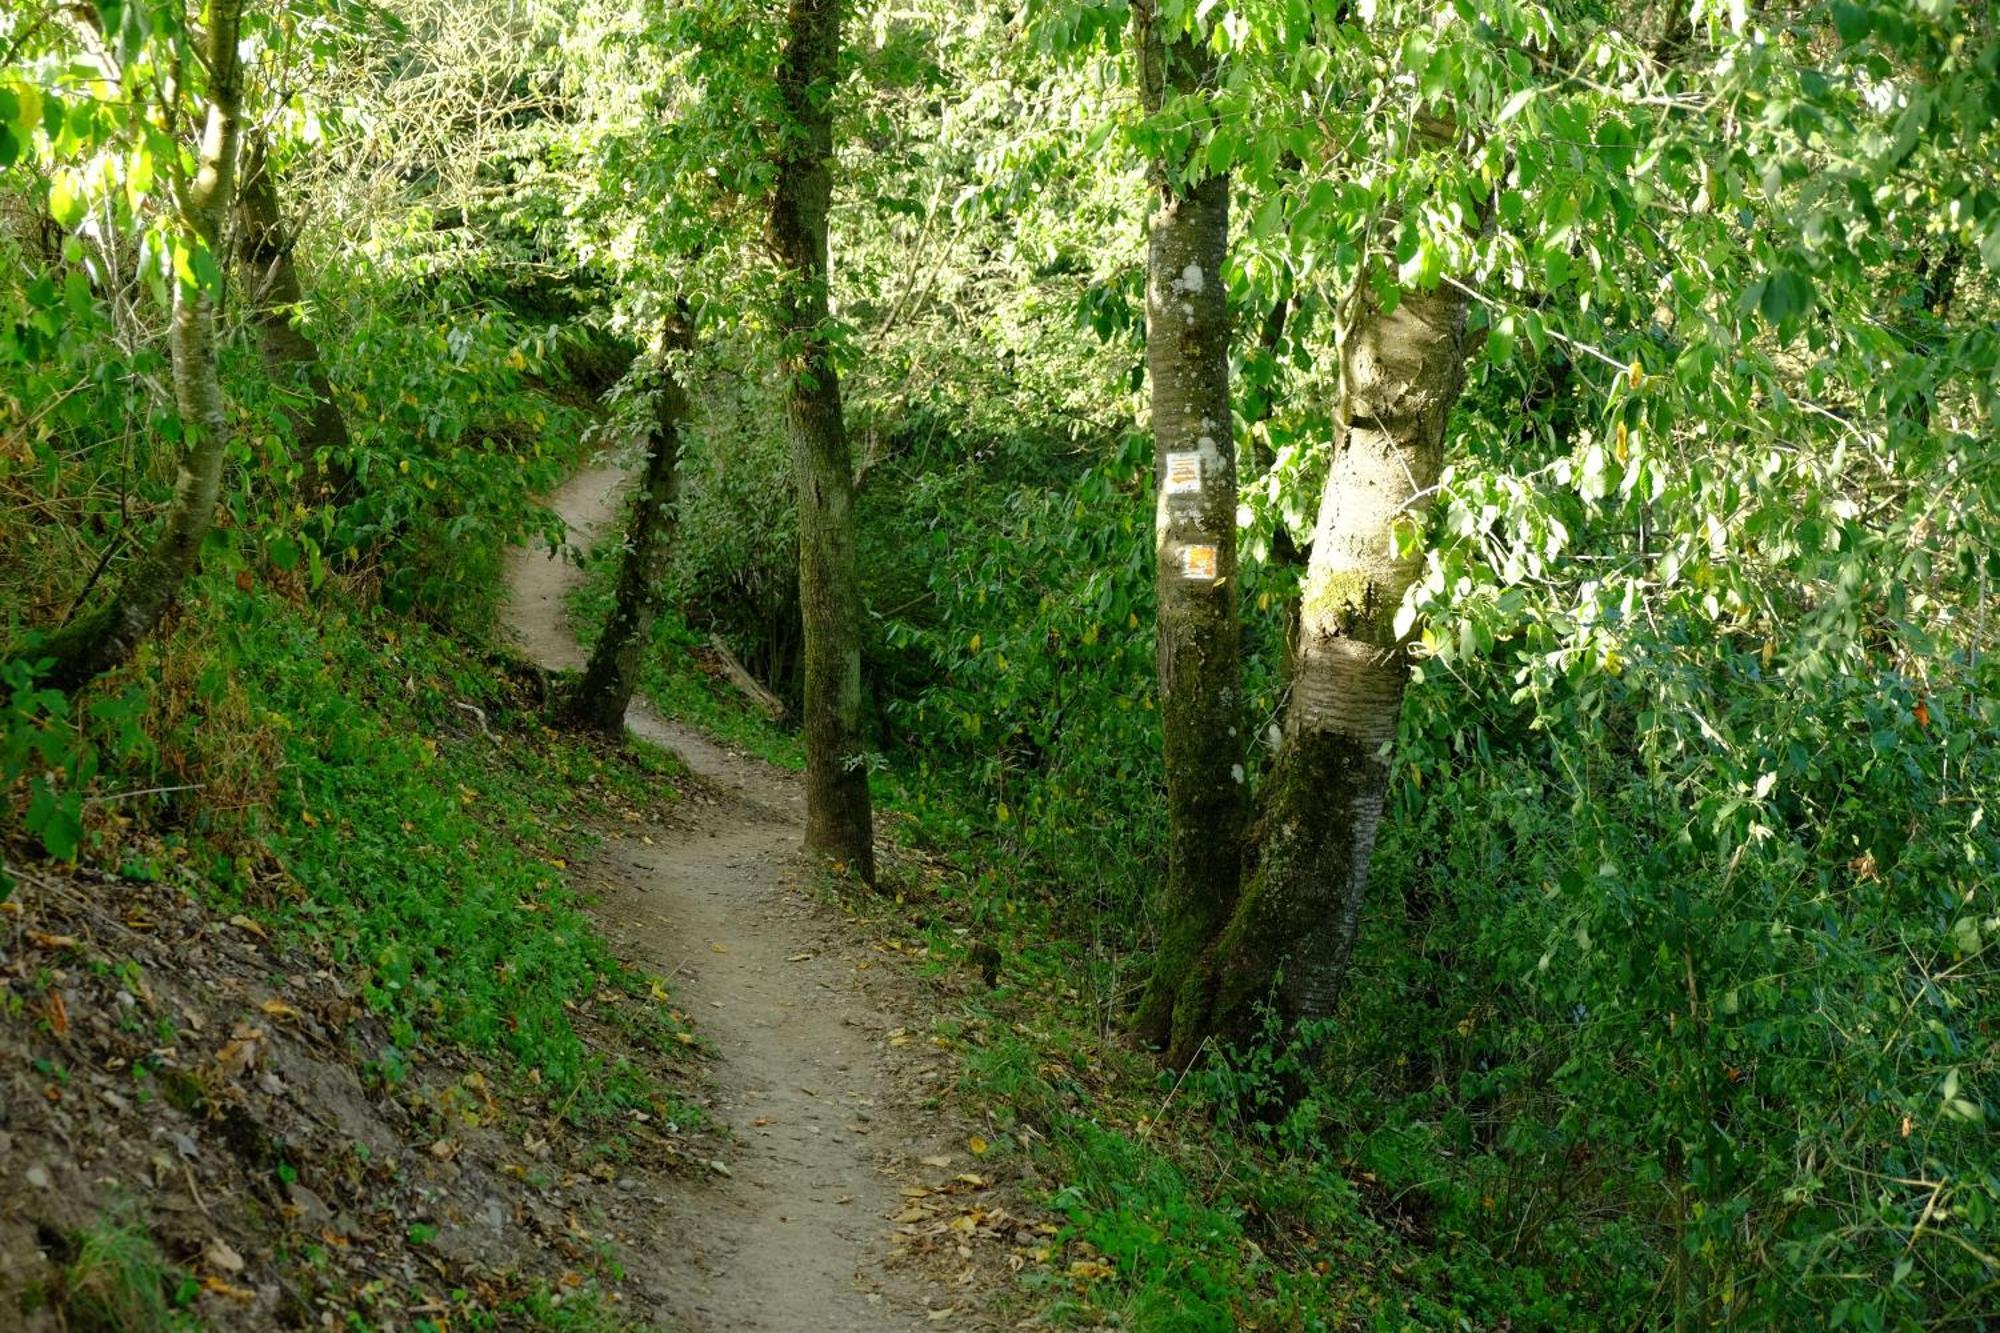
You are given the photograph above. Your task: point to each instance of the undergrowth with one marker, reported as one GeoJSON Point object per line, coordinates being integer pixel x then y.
{"type": "Point", "coordinates": [367, 788]}
{"type": "Point", "coordinates": [672, 676]}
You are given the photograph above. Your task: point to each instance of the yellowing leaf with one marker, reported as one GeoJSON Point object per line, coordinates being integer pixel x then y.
{"type": "Point", "coordinates": [977, 1144]}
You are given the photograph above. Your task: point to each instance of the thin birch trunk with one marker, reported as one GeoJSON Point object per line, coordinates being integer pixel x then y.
{"type": "Point", "coordinates": [105, 639]}
{"type": "Point", "coordinates": [612, 676]}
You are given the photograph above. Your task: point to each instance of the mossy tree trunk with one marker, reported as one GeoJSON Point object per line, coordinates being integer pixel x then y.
{"type": "Point", "coordinates": [101, 641]}
{"type": "Point", "coordinates": [1199, 637]}
{"type": "Point", "coordinates": [605, 691]}
{"type": "Point", "coordinates": [291, 358]}
{"type": "Point", "coordinates": [1292, 932]}
{"type": "Point", "coordinates": [839, 820]}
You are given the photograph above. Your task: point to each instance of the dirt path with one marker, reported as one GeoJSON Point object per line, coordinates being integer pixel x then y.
{"type": "Point", "coordinates": [794, 1238]}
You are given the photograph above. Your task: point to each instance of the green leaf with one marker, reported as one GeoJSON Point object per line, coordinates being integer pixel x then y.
{"type": "Point", "coordinates": [57, 820]}
{"type": "Point", "coordinates": [66, 204]}
{"type": "Point", "coordinates": [1787, 297]}
{"type": "Point", "coordinates": [1850, 21]}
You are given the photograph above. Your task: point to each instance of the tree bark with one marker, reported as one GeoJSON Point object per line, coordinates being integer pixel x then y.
{"type": "Point", "coordinates": [1292, 932]}
{"type": "Point", "coordinates": [612, 676]}
{"type": "Point", "coordinates": [291, 358]}
{"type": "Point", "coordinates": [1199, 638]}
{"type": "Point", "coordinates": [839, 821]}
{"type": "Point", "coordinates": [101, 641]}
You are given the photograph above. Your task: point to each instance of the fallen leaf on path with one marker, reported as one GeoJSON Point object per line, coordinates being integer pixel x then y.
{"type": "Point", "coordinates": [219, 1253]}
{"type": "Point", "coordinates": [43, 940]}
{"type": "Point", "coordinates": [718, 948]}
{"type": "Point", "coordinates": [977, 1144]}
{"type": "Point", "coordinates": [239, 1054]}
{"type": "Point", "coordinates": [242, 922]}
{"type": "Point", "coordinates": [800, 958]}
{"type": "Point", "coordinates": [222, 1288]}
{"type": "Point", "coordinates": [940, 1160]}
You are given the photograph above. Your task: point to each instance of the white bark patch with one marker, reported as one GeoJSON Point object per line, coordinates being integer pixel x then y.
{"type": "Point", "coordinates": [1190, 280]}
{"type": "Point", "coordinates": [1198, 563]}
{"type": "Point", "coordinates": [1236, 773]}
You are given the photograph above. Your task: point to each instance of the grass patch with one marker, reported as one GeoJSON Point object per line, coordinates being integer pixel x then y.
{"type": "Point", "coordinates": [115, 1279]}
{"type": "Point", "coordinates": [426, 821]}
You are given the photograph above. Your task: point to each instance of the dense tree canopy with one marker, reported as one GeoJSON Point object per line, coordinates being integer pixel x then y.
{"type": "Point", "coordinates": [1438, 553]}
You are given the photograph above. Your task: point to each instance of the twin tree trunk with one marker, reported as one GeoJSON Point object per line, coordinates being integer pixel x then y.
{"type": "Point", "coordinates": [1306, 868]}
{"type": "Point", "coordinates": [107, 638]}
{"type": "Point", "coordinates": [608, 683]}
{"type": "Point", "coordinates": [839, 821]}
{"type": "Point", "coordinates": [1269, 916]}
{"type": "Point", "coordinates": [291, 358]}
{"type": "Point", "coordinates": [1200, 655]}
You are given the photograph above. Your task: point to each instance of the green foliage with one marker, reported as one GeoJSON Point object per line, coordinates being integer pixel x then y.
{"type": "Point", "coordinates": [1675, 1003]}
{"type": "Point", "coordinates": [454, 917]}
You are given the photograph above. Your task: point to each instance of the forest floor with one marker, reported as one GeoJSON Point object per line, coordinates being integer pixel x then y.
{"type": "Point", "coordinates": [847, 1195]}
{"type": "Point", "coordinates": [215, 1111]}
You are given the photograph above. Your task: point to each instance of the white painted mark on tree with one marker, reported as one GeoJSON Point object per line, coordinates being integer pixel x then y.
{"type": "Point", "coordinates": [1183, 474]}
{"type": "Point", "coordinates": [1198, 562]}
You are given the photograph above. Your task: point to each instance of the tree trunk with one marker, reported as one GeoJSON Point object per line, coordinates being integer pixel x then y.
{"type": "Point", "coordinates": [1293, 930]}
{"type": "Point", "coordinates": [604, 693]}
{"type": "Point", "coordinates": [291, 358]}
{"type": "Point", "coordinates": [101, 641]}
{"type": "Point", "coordinates": [1200, 657]}
{"type": "Point", "coordinates": [839, 822]}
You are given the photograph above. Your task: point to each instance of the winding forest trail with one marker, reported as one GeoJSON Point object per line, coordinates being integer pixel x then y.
{"type": "Point", "coordinates": [826, 1117]}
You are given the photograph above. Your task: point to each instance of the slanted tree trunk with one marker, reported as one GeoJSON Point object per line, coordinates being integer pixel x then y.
{"type": "Point", "coordinates": [291, 358]}
{"type": "Point", "coordinates": [1292, 932]}
{"type": "Point", "coordinates": [604, 693]}
{"type": "Point", "coordinates": [103, 640]}
{"type": "Point", "coordinates": [1200, 655]}
{"type": "Point", "coordinates": [839, 822]}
